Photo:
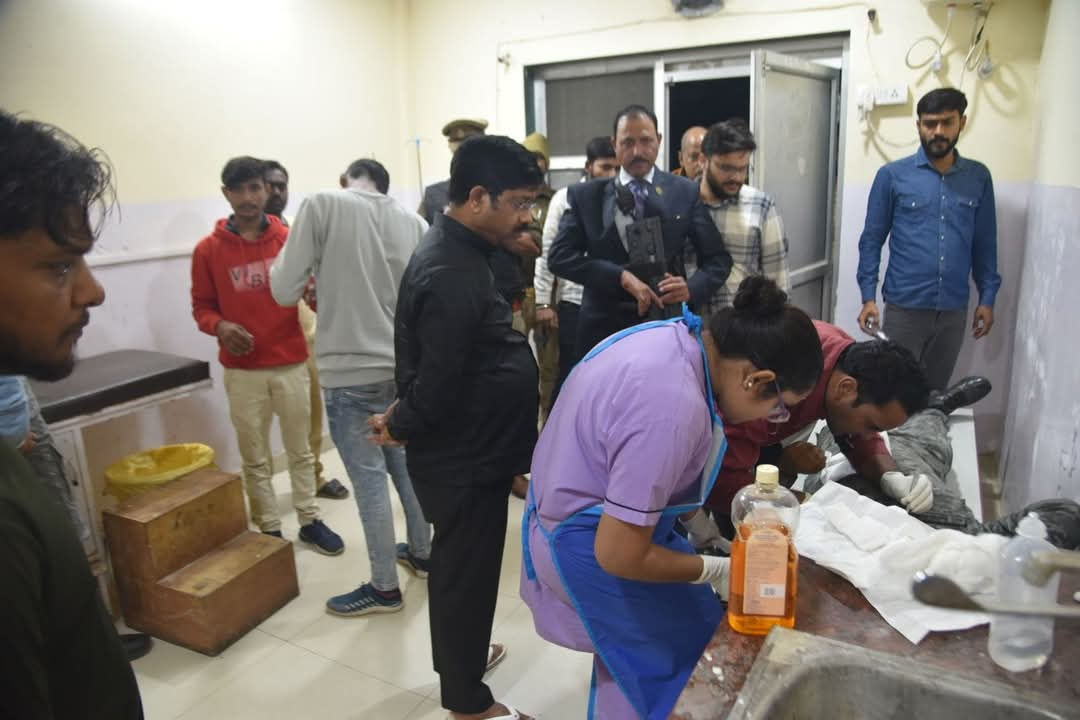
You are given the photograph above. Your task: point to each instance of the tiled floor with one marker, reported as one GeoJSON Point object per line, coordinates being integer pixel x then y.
{"type": "Point", "coordinates": [303, 663]}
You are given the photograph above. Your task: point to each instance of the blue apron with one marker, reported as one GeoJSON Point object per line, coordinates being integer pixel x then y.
{"type": "Point", "coordinates": [649, 635]}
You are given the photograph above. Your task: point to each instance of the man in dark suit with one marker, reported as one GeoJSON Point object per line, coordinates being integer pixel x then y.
{"type": "Point", "coordinates": [648, 206]}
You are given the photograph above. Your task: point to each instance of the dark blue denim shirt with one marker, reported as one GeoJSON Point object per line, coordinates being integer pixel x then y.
{"type": "Point", "coordinates": [942, 228]}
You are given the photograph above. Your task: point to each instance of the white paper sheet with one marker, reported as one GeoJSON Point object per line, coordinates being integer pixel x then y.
{"type": "Point", "coordinates": [884, 574]}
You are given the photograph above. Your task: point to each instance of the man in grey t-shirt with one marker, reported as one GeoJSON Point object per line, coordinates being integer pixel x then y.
{"type": "Point", "coordinates": [356, 241]}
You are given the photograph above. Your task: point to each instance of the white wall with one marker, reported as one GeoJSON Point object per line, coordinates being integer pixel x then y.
{"type": "Point", "coordinates": [1042, 454]}
{"type": "Point", "coordinates": [173, 89]}
{"type": "Point", "coordinates": [475, 82]}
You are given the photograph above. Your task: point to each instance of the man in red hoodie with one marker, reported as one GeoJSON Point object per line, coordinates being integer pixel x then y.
{"type": "Point", "coordinates": [262, 348]}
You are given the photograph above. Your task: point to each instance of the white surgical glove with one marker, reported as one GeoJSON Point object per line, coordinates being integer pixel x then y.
{"type": "Point", "coordinates": [703, 534]}
{"type": "Point", "coordinates": [915, 492]}
{"type": "Point", "coordinates": [717, 572]}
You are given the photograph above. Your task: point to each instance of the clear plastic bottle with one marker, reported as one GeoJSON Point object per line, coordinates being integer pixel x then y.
{"type": "Point", "coordinates": [1018, 642]}
{"type": "Point", "coordinates": [764, 562]}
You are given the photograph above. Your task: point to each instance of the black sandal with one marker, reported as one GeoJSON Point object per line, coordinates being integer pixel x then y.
{"type": "Point", "coordinates": [333, 490]}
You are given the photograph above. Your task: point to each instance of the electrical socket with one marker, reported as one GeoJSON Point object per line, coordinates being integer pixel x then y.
{"type": "Point", "coordinates": [890, 94]}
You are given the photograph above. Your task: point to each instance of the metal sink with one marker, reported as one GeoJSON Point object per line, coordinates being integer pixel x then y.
{"type": "Point", "coordinates": [798, 676]}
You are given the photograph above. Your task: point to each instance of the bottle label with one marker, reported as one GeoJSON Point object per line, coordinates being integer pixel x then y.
{"type": "Point", "coordinates": [765, 585]}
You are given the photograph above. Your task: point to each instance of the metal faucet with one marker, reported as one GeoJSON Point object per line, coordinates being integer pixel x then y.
{"type": "Point", "coordinates": [1040, 566]}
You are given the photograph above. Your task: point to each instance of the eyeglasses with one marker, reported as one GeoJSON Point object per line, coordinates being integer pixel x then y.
{"type": "Point", "coordinates": [526, 205]}
{"type": "Point", "coordinates": [780, 413]}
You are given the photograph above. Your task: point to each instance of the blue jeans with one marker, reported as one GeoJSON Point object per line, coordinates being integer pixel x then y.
{"type": "Point", "coordinates": [348, 409]}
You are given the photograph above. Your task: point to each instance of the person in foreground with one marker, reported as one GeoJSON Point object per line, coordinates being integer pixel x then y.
{"type": "Point", "coordinates": [62, 657]}
{"type": "Point", "coordinates": [634, 441]}
{"type": "Point", "coordinates": [467, 401]}
{"type": "Point", "coordinates": [866, 388]}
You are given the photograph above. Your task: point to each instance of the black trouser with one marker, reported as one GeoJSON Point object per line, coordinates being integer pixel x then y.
{"type": "Point", "coordinates": [463, 584]}
{"type": "Point", "coordinates": [568, 322]}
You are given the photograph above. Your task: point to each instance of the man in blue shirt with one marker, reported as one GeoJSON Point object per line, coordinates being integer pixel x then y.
{"type": "Point", "coordinates": [937, 208]}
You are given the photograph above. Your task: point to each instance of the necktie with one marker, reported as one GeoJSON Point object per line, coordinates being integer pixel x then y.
{"type": "Point", "coordinates": [640, 190]}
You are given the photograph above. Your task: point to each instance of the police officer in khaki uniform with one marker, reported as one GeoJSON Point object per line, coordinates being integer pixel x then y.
{"type": "Point", "coordinates": [437, 196]}
{"type": "Point", "coordinates": [547, 352]}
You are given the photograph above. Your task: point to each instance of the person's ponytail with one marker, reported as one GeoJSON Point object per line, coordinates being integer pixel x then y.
{"type": "Point", "coordinates": [762, 327]}
{"type": "Point", "coordinates": [759, 298]}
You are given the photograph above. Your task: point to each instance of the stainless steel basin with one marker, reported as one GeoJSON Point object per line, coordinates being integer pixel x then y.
{"type": "Point", "coordinates": [798, 676]}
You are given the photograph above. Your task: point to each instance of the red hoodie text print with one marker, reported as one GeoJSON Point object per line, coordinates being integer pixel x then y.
{"type": "Point", "coordinates": [254, 275]}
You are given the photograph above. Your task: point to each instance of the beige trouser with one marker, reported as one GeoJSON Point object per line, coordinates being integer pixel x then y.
{"type": "Point", "coordinates": [316, 435]}
{"type": "Point", "coordinates": [308, 324]}
{"type": "Point", "coordinates": [547, 350]}
{"type": "Point", "coordinates": [517, 322]}
{"type": "Point", "coordinates": [255, 396]}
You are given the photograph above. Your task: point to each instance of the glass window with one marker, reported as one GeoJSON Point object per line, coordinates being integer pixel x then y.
{"type": "Point", "coordinates": [579, 109]}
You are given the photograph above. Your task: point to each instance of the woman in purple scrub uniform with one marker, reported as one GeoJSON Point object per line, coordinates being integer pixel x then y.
{"type": "Point", "coordinates": [634, 441]}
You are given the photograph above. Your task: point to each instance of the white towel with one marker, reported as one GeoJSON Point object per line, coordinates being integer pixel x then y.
{"type": "Point", "coordinates": [971, 561]}
{"type": "Point", "coordinates": [882, 569]}
{"type": "Point", "coordinates": [867, 534]}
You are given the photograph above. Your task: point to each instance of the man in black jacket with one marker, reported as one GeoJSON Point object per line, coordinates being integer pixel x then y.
{"type": "Point", "coordinates": [592, 247]}
{"type": "Point", "coordinates": [467, 404]}
{"type": "Point", "coordinates": [61, 655]}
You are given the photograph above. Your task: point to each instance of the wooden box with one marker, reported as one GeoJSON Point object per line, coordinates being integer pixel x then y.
{"type": "Point", "coordinates": [213, 602]}
{"type": "Point", "coordinates": [187, 568]}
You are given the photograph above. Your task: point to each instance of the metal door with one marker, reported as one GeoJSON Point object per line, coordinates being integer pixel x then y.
{"type": "Point", "coordinates": [795, 116]}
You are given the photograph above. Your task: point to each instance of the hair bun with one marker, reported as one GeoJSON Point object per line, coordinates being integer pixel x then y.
{"type": "Point", "coordinates": [759, 297]}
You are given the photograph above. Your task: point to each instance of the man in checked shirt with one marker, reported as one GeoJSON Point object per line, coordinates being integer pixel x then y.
{"type": "Point", "coordinates": [746, 217]}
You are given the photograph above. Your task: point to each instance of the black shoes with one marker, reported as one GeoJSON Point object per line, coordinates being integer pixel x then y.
{"type": "Point", "coordinates": [136, 645]}
{"type": "Point", "coordinates": [966, 392]}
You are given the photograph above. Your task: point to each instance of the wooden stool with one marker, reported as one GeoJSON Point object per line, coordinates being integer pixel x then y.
{"type": "Point", "coordinates": [187, 568]}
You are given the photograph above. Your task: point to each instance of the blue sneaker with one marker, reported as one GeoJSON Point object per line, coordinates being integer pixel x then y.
{"type": "Point", "coordinates": [364, 600]}
{"type": "Point", "coordinates": [273, 533]}
{"type": "Point", "coordinates": [322, 538]}
{"type": "Point", "coordinates": [417, 566]}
